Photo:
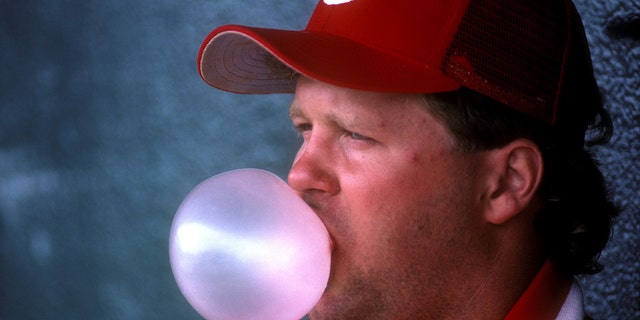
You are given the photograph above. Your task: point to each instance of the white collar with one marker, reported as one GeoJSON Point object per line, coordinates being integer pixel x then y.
{"type": "Point", "coordinates": [573, 307]}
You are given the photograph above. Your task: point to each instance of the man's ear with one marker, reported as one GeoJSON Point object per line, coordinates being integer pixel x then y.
{"type": "Point", "coordinates": [513, 177]}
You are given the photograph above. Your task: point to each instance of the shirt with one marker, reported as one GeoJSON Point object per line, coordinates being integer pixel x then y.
{"type": "Point", "coordinates": [550, 296]}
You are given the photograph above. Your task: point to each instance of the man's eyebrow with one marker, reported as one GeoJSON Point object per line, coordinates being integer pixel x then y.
{"type": "Point", "coordinates": [294, 111]}
{"type": "Point", "coordinates": [347, 121]}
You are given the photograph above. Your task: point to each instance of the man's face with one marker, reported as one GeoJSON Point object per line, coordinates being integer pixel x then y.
{"type": "Point", "coordinates": [396, 196]}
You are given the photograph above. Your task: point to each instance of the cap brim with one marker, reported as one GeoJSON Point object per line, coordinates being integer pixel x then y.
{"type": "Point", "coordinates": [256, 60]}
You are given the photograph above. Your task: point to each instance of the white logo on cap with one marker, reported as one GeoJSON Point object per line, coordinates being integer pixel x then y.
{"type": "Point", "coordinates": [332, 2]}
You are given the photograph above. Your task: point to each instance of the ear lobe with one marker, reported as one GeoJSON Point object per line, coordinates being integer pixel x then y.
{"type": "Point", "coordinates": [516, 173]}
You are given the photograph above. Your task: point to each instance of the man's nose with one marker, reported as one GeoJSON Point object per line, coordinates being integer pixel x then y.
{"type": "Point", "coordinates": [314, 169]}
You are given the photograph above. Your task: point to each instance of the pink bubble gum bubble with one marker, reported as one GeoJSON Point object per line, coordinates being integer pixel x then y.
{"type": "Point", "coordinates": [244, 245]}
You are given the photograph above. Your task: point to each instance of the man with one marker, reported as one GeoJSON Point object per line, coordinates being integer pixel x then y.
{"type": "Point", "coordinates": [444, 149]}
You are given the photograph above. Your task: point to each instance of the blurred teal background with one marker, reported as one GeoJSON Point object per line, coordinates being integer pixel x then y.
{"type": "Point", "coordinates": [105, 126]}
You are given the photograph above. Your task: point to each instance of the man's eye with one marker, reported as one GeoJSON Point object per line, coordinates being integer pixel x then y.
{"type": "Point", "coordinates": [302, 128]}
{"type": "Point", "coordinates": [358, 137]}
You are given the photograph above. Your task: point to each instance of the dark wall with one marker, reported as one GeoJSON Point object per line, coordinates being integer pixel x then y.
{"type": "Point", "coordinates": [105, 126]}
{"type": "Point", "coordinates": [613, 29]}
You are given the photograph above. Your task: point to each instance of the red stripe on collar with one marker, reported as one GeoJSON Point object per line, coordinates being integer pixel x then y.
{"type": "Point", "coordinates": [544, 297]}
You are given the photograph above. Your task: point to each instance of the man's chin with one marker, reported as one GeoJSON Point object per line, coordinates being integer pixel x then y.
{"type": "Point", "coordinates": [323, 309]}
{"type": "Point", "coordinates": [332, 307]}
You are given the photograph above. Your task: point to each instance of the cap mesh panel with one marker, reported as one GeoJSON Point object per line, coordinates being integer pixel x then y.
{"type": "Point", "coordinates": [498, 53]}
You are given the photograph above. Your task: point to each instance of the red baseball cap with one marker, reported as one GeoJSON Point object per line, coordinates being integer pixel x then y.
{"type": "Point", "coordinates": [515, 52]}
